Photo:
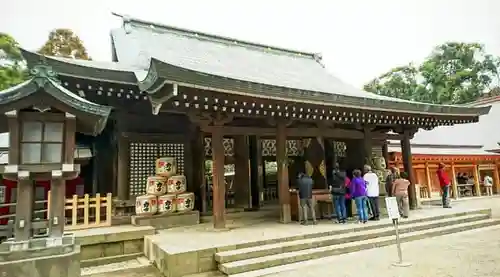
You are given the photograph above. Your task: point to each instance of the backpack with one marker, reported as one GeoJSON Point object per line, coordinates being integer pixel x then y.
{"type": "Point", "coordinates": [338, 186]}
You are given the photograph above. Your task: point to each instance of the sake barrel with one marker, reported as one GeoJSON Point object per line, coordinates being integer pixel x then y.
{"type": "Point", "coordinates": [156, 185]}
{"type": "Point", "coordinates": [166, 166]}
{"type": "Point", "coordinates": [146, 205]}
{"type": "Point", "coordinates": [185, 202]}
{"type": "Point", "coordinates": [176, 184]}
{"type": "Point", "coordinates": [166, 203]}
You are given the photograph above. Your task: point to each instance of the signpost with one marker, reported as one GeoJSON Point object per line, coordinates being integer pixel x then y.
{"type": "Point", "coordinates": [393, 212]}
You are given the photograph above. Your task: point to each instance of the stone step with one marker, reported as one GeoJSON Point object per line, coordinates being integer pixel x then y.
{"type": "Point", "coordinates": [245, 267]}
{"type": "Point", "coordinates": [138, 262]}
{"type": "Point", "coordinates": [325, 260]}
{"type": "Point", "coordinates": [356, 228]}
{"type": "Point", "coordinates": [295, 245]}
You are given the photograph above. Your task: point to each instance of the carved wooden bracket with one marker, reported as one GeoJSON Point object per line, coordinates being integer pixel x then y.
{"type": "Point", "coordinates": [207, 119]}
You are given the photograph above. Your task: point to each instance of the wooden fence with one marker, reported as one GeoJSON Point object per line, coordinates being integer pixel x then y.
{"type": "Point", "coordinates": [87, 212]}
{"type": "Point", "coordinates": [80, 213]}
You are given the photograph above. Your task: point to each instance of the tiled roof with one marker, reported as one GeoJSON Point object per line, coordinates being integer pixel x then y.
{"type": "Point", "coordinates": [243, 64]}
{"type": "Point", "coordinates": [461, 139]}
{"type": "Point", "coordinates": [484, 133]}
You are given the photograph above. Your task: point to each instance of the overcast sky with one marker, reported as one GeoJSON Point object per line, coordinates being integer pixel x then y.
{"type": "Point", "coordinates": [359, 39]}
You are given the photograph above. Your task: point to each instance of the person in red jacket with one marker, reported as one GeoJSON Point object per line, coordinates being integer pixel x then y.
{"type": "Point", "coordinates": [444, 182]}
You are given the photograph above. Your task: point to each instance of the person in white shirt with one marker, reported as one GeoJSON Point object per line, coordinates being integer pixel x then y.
{"type": "Point", "coordinates": [488, 185]}
{"type": "Point", "coordinates": [372, 191]}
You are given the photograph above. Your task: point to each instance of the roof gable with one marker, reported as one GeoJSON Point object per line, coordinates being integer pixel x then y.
{"type": "Point", "coordinates": [484, 133]}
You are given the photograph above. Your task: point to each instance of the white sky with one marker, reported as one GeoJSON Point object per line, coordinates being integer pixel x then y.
{"type": "Point", "coordinates": [359, 39]}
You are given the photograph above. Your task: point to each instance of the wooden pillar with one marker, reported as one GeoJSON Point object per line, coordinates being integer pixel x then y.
{"type": "Point", "coordinates": [256, 171]}
{"type": "Point", "coordinates": [57, 205]}
{"type": "Point", "coordinates": [428, 179]}
{"type": "Point", "coordinates": [476, 180]}
{"type": "Point", "coordinates": [122, 183]}
{"type": "Point", "coordinates": [242, 172]}
{"type": "Point", "coordinates": [408, 166]}
{"type": "Point", "coordinates": [454, 185]}
{"type": "Point", "coordinates": [283, 185]}
{"type": "Point", "coordinates": [219, 186]}
{"type": "Point", "coordinates": [198, 168]}
{"type": "Point", "coordinates": [330, 158]}
{"type": "Point", "coordinates": [496, 179]}
{"type": "Point", "coordinates": [367, 146]}
{"type": "Point", "coordinates": [24, 208]}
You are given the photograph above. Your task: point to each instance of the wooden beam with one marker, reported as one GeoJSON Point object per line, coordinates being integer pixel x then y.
{"type": "Point", "coordinates": [496, 179]}
{"type": "Point", "coordinates": [408, 166]}
{"type": "Point", "coordinates": [454, 185]}
{"type": "Point", "coordinates": [428, 179]}
{"type": "Point", "coordinates": [241, 183]}
{"type": "Point", "coordinates": [282, 161]}
{"type": "Point", "coordinates": [123, 169]}
{"type": "Point", "coordinates": [475, 171]}
{"type": "Point", "coordinates": [298, 132]}
{"type": "Point", "coordinates": [219, 186]}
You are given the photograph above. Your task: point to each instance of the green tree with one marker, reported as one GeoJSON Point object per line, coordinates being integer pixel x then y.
{"type": "Point", "coordinates": [64, 43]}
{"type": "Point", "coordinates": [454, 73]}
{"type": "Point", "coordinates": [12, 69]}
{"type": "Point", "coordinates": [400, 82]}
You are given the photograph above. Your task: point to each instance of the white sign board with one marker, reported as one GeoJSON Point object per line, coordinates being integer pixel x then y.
{"type": "Point", "coordinates": [392, 207]}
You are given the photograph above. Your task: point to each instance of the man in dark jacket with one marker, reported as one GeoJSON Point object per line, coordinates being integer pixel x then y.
{"type": "Point", "coordinates": [305, 184]}
{"type": "Point", "coordinates": [338, 190]}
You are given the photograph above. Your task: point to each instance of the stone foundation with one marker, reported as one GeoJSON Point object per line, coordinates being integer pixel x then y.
{"type": "Point", "coordinates": [40, 258]}
{"type": "Point", "coordinates": [165, 221]}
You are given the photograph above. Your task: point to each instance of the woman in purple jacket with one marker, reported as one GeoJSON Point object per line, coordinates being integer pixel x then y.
{"type": "Point", "coordinates": [358, 193]}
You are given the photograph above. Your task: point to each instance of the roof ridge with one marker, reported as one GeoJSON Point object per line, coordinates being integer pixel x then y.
{"type": "Point", "coordinates": [127, 20]}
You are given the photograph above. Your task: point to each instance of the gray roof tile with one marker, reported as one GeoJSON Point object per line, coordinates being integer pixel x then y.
{"type": "Point", "coordinates": [139, 42]}
{"type": "Point", "coordinates": [484, 134]}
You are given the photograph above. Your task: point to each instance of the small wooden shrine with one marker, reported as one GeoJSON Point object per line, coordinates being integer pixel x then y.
{"type": "Point", "coordinates": [193, 96]}
{"type": "Point", "coordinates": [469, 151]}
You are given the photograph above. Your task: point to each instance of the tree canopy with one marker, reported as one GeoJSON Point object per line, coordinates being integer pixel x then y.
{"type": "Point", "coordinates": [64, 43]}
{"type": "Point", "coordinates": [454, 73]}
{"type": "Point", "coordinates": [12, 70]}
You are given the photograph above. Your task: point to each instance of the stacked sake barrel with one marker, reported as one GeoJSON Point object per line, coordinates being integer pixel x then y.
{"type": "Point", "coordinates": [166, 192]}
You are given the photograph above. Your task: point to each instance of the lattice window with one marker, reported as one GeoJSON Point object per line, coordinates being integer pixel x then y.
{"type": "Point", "coordinates": [340, 148]}
{"type": "Point", "coordinates": [228, 144]}
{"type": "Point", "coordinates": [143, 156]}
{"type": "Point", "coordinates": [293, 148]}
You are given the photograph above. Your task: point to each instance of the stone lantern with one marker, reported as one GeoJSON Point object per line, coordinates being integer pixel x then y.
{"type": "Point", "coordinates": [42, 118]}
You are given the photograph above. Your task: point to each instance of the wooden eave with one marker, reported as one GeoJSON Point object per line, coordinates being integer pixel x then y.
{"type": "Point", "coordinates": [161, 73]}
{"type": "Point", "coordinates": [89, 70]}
{"type": "Point", "coordinates": [43, 90]}
{"type": "Point", "coordinates": [161, 77]}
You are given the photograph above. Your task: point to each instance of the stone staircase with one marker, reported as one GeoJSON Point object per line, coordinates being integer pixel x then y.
{"type": "Point", "coordinates": [270, 256]}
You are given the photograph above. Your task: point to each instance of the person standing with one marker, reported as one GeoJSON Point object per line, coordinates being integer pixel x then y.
{"type": "Point", "coordinates": [338, 191]}
{"type": "Point", "coordinates": [400, 191]}
{"type": "Point", "coordinates": [444, 182]}
{"type": "Point", "coordinates": [305, 184]}
{"type": "Point", "coordinates": [358, 193]}
{"type": "Point", "coordinates": [391, 176]}
{"type": "Point", "coordinates": [372, 191]}
{"type": "Point", "coordinates": [348, 200]}
{"type": "Point", "coordinates": [488, 185]}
